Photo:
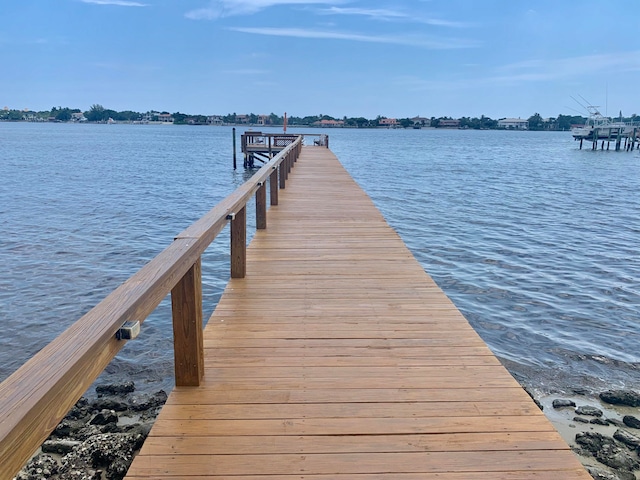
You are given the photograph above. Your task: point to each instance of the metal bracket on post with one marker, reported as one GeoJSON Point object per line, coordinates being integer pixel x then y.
{"type": "Point", "coordinates": [128, 331]}
{"type": "Point", "coordinates": [231, 216]}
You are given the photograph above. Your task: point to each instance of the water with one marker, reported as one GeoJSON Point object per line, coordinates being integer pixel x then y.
{"type": "Point", "coordinates": [532, 239]}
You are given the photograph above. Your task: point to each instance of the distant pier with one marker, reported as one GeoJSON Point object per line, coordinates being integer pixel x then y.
{"type": "Point", "coordinates": [261, 147]}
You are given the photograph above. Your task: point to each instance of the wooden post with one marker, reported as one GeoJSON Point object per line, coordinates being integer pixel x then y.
{"type": "Point", "coordinates": [261, 207]}
{"type": "Point", "coordinates": [234, 148]}
{"type": "Point", "coordinates": [186, 306]}
{"type": "Point", "coordinates": [273, 186]}
{"type": "Point", "coordinates": [270, 149]}
{"type": "Point", "coordinates": [287, 164]}
{"type": "Point", "coordinates": [239, 244]}
{"type": "Point", "coordinates": [282, 170]}
{"type": "Point", "coordinates": [581, 143]}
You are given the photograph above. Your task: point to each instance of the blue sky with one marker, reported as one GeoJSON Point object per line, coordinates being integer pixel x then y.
{"type": "Point", "coordinates": [401, 58]}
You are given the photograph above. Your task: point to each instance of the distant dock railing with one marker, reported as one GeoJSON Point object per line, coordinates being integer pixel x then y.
{"type": "Point", "coordinates": [39, 394]}
{"type": "Point", "coordinates": [263, 146]}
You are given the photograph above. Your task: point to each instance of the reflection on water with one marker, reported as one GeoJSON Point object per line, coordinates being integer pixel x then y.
{"type": "Point", "coordinates": [534, 240]}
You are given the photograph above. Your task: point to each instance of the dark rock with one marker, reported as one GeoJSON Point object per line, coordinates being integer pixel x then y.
{"type": "Point", "coordinates": [606, 451]}
{"type": "Point", "coordinates": [627, 438]}
{"type": "Point", "coordinates": [110, 403]}
{"type": "Point", "coordinates": [589, 411]}
{"type": "Point", "coordinates": [63, 429]}
{"type": "Point", "coordinates": [80, 410]}
{"type": "Point", "coordinates": [147, 402]}
{"type": "Point", "coordinates": [104, 417]}
{"type": "Point", "coordinates": [100, 452]}
{"type": "Point", "coordinates": [581, 391]}
{"type": "Point", "coordinates": [87, 432]}
{"type": "Point", "coordinates": [599, 421]}
{"type": "Point", "coordinates": [559, 403]}
{"type": "Point", "coordinates": [118, 468]}
{"type": "Point", "coordinates": [580, 420]}
{"type": "Point", "coordinates": [142, 429]}
{"type": "Point", "coordinates": [59, 446]}
{"type": "Point", "coordinates": [615, 422]}
{"type": "Point", "coordinates": [115, 388]}
{"type": "Point", "coordinates": [40, 467]}
{"type": "Point", "coordinates": [621, 397]}
{"type": "Point", "coordinates": [600, 474]}
{"type": "Point", "coordinates": [111, 428]}
{"type": "Point", "coordinates": [631, 421]}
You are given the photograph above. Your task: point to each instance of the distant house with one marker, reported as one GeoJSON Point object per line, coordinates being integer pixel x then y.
{"type": "Point", "coordinates": [264, 119]}
{"type": "Point", "coordinates": [78, 117]}
{"type": "Point", "coordinates": [449, 123]}
{"type": "Point", "coordinates": [513, 124]}
{"type": "Point", "coordinates": [214, 120]}
{"type": "Point", "coordinates": [329, 123]}
{"type": "Point", "coordinates": [421, 121]}
{"type": "Point", "coordinates": [242, 118]}
{"type": "Point", "coordinates": [165, 118]}
{"type": "Point", "coordinates": [388, 122]}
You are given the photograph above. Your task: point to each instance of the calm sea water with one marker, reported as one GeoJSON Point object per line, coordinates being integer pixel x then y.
{"type": "Point", "coordinates": [533, 240]}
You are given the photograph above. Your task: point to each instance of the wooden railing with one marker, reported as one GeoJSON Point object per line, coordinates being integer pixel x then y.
{"type": "Point", "coordinates": [39, 394]}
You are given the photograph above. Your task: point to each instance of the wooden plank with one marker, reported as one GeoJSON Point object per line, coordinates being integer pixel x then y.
{"type": "Point", "coordinates": [568, 474]}
{"type": "Point", "coordinates": [349, 410]}
{"type": "Point", "coordinates": [353, 426]}
{"type": "Point", "coordinates": [223, 394]}
{"type": "Point", "coordinates": [341, 444]}
{"type": "Point", "coordinates": [543, 461]}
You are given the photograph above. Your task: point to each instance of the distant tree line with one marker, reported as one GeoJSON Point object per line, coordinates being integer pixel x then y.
{"type": "Point", "coordinates": [99, 114]}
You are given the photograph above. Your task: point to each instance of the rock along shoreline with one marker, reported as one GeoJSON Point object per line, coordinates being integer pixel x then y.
{"type": "Point", "coordinates": [98, 439]}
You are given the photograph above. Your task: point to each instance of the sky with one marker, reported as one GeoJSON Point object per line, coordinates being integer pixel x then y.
{"type": "Point", "coordinates": [393, 58]}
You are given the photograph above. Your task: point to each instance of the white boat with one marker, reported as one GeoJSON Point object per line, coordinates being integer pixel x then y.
{"type": "Point", "coordinates": [599, 126]}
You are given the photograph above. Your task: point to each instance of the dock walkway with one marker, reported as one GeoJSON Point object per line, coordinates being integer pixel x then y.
{"type": "Point", "coordinates": [338, 358]}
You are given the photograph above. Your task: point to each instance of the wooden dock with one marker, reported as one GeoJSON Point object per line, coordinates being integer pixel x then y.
{"type": "Point", "coordinates": [337, 357]}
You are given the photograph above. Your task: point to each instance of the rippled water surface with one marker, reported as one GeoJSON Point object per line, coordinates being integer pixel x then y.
{"type": "Point", "coordinates": [534, 241]}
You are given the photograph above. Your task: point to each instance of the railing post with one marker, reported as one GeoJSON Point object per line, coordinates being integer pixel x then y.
{"type": "Point", "coordinates": [186, 305]}
{"type": "Point", "coordinates": [282, 170]}
{"type": "Point", "coordinates": [273, 186]}
{"type": "Point", "coordinates": [261, 207]}
{"type": "Point", "coordinates": [287, 165]}
{"type": "Point", "coordinates": [239, 244]}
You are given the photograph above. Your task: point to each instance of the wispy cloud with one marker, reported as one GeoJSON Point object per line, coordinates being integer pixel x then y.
{"type": "Point", "coordinates": [533, 71]}
{"type": "Point", "coordinates": [408, 40]}
{"type": "Point", "coordinates": [375, 13]}
{"type": "Point", "coordinates": [120, 3]}
{"type": "Point", "coordinates": [228, 8]}
{"type": "Point", "coordinates": [383, 14]}
{"type": "Point", "coordinates": [247, 71]}
{"type": "Point", "coordinates": [125, 67]}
